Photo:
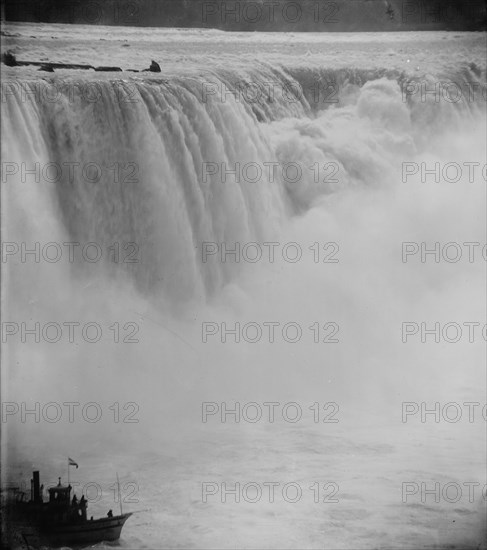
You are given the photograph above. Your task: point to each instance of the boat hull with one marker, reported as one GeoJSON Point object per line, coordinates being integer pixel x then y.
{"type": "Point", "coordinates": [87, 532]}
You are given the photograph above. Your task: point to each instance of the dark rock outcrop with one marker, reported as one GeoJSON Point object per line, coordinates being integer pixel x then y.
{"type": "Point", "coordinates": [154, 67]}
{"type": "Point", "coordinates": [9, 59]}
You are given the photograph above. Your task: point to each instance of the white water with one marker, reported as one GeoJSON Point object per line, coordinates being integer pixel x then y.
{"type": "Point", "coordinates": [168, 133]}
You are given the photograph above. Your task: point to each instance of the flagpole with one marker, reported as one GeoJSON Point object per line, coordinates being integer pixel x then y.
{"type": "Point", "coordinates": [119, 495]}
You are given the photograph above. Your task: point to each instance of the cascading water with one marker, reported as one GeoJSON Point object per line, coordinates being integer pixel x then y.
{"type": "Point", "coordinates": [159, 154]}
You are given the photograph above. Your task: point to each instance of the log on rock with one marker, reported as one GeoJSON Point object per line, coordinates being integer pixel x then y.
{"type": "Point", "coordinates": [12, 62]}
{"type": "Point", "coordinates": [107, 69]}
{"type": "Point", "coordinates": [70, 66]}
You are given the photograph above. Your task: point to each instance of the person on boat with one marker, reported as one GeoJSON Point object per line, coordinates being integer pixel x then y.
{"type": "Point", "coordinates": [110, 514]}
{"type": "Point", "coordinates": [74, 502]}
{"type": "Point", "coordinates": [82, 507]}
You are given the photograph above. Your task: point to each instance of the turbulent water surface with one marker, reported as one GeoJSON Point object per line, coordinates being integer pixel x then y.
{"type": "Point", "coordinates": [349, 103]}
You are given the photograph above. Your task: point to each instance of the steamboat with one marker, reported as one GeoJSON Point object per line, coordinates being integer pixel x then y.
{"type": "Point", "coordinates": [62, 520]}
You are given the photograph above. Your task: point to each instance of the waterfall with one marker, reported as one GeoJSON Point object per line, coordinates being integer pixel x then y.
{"type": "Point", "coordinates": [161, 167]}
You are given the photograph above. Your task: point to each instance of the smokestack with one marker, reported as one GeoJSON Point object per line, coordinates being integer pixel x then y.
{"type": "Point", "coordinates": [37, 490]}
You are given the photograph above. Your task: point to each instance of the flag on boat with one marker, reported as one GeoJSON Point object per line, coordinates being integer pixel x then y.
{"type": "Point", "coordinates": [71, 462]}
